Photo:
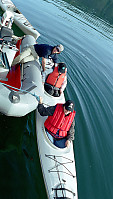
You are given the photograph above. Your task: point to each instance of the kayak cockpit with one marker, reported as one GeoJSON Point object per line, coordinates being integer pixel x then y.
{"type": "Point", "coordinates": [60, 143]}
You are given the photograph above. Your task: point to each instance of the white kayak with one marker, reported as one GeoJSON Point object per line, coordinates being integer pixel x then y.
{"type": "Point", "coordinates": [19, 18]}
{"type": "Point", "coordinates": [58, 165]}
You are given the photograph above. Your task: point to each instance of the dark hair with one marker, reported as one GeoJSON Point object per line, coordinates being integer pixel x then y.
{"type": "Point", "coordinates": [62, 67]}
{"type": "Point", "coordinates": [69, 105]}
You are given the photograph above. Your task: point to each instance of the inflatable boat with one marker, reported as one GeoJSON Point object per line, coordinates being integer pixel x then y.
{"type": "Point", "coordinates": [20, 86]}
{"type": "Point", "coordinates": [19, 18]}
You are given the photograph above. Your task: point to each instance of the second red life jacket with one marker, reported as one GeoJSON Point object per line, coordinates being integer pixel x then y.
{"type": "Point", "coordinates": [56, 79]}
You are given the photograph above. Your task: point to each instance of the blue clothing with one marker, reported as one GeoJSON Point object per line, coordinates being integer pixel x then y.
{"type": "Point", "coordinates": [45, 50]}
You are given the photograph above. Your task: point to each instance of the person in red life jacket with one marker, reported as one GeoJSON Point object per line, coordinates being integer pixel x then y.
{"type": "Point", "coordinates": [55, 79]}
{"type": "Point", "coordinates": [60, 122]}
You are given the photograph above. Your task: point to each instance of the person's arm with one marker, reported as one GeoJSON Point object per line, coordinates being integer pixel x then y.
{"type": "Point", "coordinates": [45, 111]}
{"type": "Point", "coordinates": [70, 134]}
{"type": "Point", "coordinates": [54, 58]}
{"type": "Point", "coordinates": [43, 63]}
{"type": "Point", "coordinates": [45, 73]}
{"type": "Point", "coordinates": [63, 86]}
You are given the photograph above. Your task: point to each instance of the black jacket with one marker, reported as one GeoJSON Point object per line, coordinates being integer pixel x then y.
{"type": "Point", "coordinates": [49, 111]}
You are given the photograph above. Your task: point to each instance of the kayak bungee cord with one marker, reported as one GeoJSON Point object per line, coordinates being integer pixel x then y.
{"type": "Point", "coordinates": [59, 176]}
{"type": "Point", "coordinates": [57, 164]}
{"type": "Point", "coordinates": [52, 157]}
{"type": "Point", "coordinates": [33, 94]}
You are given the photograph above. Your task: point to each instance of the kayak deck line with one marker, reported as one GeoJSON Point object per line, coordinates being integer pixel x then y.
{"type": "Point", "coordinates": [57, 164]}
{"type": "Point", "coordinates": [63, 189]}
{"type": "Point", "coordinates": [53, 157]}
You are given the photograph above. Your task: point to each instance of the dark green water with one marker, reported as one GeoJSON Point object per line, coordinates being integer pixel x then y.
{"type": "Point", "coordinates": [100, 8]}
{"type": "Point", "coordinates": [89, 57]}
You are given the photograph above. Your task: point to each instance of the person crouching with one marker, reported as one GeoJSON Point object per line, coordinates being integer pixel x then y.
{"type": "Point", "coordinates": [55, 79]}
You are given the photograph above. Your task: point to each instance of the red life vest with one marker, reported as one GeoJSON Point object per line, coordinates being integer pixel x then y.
{"type": "Point", "coordinates": [56, 79]}
{"type": "Point", "coordinates": [58, 121]}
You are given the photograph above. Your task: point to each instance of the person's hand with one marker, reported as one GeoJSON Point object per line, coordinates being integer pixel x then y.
{"type": "Point", "coordinates": [43, 77]}
{"type": "Point", "coordinates": [60, 91]}
{"type": "Point", "coordinates": [67, 143]}
{"type": "Point", "coordinates": [40, 100]}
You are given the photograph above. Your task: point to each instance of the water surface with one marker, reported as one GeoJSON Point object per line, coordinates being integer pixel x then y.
{"type": "Point", "coordinates": [89, 56]}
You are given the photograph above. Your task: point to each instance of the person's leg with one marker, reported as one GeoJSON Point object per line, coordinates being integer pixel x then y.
{"type": "Point", "coordinates": [60, 143]}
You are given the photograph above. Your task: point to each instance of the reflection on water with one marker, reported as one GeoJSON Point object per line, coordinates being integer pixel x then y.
{"type": "Point", "coordinates": [102, 9]}
{"type": "Point", "coordinates": [92, 20]}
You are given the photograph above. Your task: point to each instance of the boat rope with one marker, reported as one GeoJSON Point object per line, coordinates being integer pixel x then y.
{"type": "Point", "coordinates": [33, 94]}
{"type": "Point", "coordinates": [57, 164]}
{"type": "Point", "coordinates": [52, 157]}
{"type": "Point", "coordinates": [57, 189]}
{"type": "Point", "coordinates": [62, 198]}
{"type": "Point", "coordinates": [58, 175]}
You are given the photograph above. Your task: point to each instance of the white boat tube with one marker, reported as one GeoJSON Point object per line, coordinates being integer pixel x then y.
{"type": "Point", "coordinates": [19, 103]}
{"type": "Point", "coordinates": [19, 18]}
